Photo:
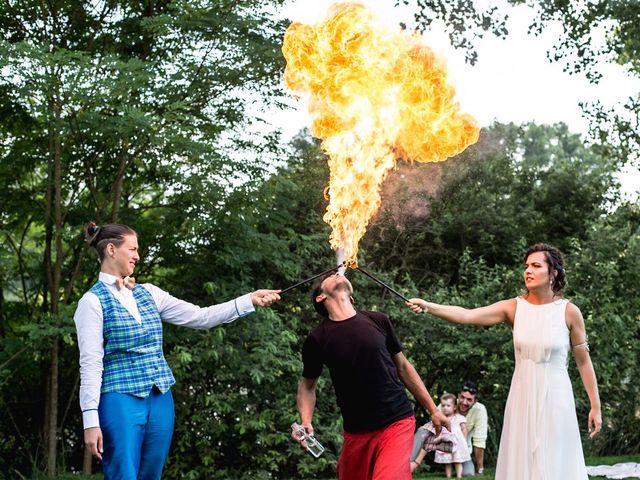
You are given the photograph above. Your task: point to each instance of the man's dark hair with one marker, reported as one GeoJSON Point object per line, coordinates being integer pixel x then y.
{"type": "Point", "coordinates": [470, 387]}
{"type": "Point", "coordinates": [317, 290]}
{"type": "Point", "coordinates": [319, 306]}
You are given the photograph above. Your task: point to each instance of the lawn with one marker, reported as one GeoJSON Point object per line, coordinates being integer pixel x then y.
{"type": "Point", "coordinates": [438, 473]}
{"type": "Point", "coordinates": [490, 472]}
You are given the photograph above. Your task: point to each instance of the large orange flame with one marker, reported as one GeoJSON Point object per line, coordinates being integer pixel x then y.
{"type": "Point", "coordinates": [374, 95]}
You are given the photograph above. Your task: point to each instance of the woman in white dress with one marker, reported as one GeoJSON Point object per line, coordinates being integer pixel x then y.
{"type": "Point", "coordinates": [540, 436]}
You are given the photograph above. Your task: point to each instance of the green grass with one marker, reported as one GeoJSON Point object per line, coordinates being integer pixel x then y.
{"type": "Point", "coordinates": [69, 476]}
{"type": "Point", "coordinates": [438, 472]}
{"type": "Point", "coordinates": [593, 461]}
{"type": "Point", "coordinates": [613, 460]}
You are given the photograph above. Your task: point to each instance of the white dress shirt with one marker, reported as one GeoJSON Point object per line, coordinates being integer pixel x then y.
{"type": "Point", "coordinates": [88, 320]}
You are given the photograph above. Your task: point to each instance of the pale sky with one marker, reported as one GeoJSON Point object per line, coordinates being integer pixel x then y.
{"type": "Point", "coordinates": [512, 81]}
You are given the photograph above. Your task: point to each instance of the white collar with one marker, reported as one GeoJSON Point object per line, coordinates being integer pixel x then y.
{"type": "Point", "coordinates": [107, 278]}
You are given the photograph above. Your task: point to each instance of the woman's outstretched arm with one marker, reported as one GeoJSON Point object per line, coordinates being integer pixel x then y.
{"type": "Point", "coordinates": [502, 311]}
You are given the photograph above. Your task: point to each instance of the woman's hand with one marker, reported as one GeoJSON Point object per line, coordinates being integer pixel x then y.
{"type": "Point", "coordinates": [93, 441]}
{"type": "Point", "coordinates": [417, 305]}
{"type": "Point", "coordinates": [595, 422]}
{"type": "Point", "coordinates": [264, 298]}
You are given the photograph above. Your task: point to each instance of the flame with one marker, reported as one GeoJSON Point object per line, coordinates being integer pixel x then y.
{"type": "Point", "coordinates": [374, 95]}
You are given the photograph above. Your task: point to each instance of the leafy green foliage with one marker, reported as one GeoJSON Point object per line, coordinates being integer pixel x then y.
{"type": "Point", "coordinates": [593, 33]}
{"type": "Point", "coordinates": [111, 111]}
{"type": "Point", "coordinates": [523, 182]}
{"type": "Point", "coordinates": [149, 105]}
{"type": "Point", "coordinates": [517, 186]}
{"type": "Point", "coordinates": [464, 19]}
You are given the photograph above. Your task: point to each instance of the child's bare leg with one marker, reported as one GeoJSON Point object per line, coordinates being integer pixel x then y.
{"type": "Point", "coordinates": [458, 467]}
{"type": "Point", "coordinates": [447, 469]}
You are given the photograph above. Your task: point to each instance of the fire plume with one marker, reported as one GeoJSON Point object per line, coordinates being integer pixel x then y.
{"type": "Point", "coordinates": [374, 95]}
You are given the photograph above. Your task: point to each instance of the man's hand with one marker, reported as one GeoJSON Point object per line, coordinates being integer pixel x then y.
{"type": "Point", "coordinates": [440, 420]}
{"type": "Point", "coordinates": [93, 441]}
{"type": "Point", "coordinates": [264, 298]}
{"type": "Point", "coordinates": [300, 437]}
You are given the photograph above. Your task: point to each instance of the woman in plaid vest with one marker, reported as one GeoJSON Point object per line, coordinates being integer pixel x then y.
{"type": "Point", "coordinates": [125, 382]}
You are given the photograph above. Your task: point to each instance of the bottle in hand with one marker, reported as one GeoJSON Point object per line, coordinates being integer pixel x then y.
{"type": "Point", "coordinates": [313, 445]}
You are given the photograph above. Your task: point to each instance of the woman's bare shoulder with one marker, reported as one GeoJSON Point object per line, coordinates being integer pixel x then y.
{"type": "Point", "coordinates": [509, 307]}
{"type": "Point", "coordinates": [573, 315]}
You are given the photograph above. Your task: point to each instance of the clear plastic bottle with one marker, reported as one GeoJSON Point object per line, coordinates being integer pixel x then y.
{"type": "Point", "coordinates": [313, 445]}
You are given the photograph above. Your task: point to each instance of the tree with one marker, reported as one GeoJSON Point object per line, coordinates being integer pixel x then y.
{"type": "Point", "coordinates": [604, 265]}
{"type": "Point", "coordinates": [273, 234]}
{"type": "Point", "coordinates": [242, 378]}
{"type": "Point", "coordinates": [137, 112]}
{"type": "Point", "coordinates": [114, 111]}
{"type": "Point", "coordinates": [460, 239]}
{"type": "Point", "coordinates": [516, 186]}
{"type": "Point", "coordinates": [581, 46]}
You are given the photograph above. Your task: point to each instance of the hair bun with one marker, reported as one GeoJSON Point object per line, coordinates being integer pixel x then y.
{"type": "Point", "coordinates": [92, 233]}
{"type": "Point", "coordinates": [92, 229]}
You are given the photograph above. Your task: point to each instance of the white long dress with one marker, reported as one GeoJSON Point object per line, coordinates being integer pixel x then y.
{"type": "Point", "coordinates": [540, 437]}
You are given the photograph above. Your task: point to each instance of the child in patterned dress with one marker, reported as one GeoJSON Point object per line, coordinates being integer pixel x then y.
{"type": "Point", "coordinates": [448, 404]}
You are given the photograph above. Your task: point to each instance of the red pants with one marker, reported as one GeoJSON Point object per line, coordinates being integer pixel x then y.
{"type": "Point", "coordinates": [379, 455]}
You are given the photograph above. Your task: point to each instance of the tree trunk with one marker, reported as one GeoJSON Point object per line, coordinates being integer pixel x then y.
{"type": "Point", "coordinates": [118, 183]}
{"type": "Point", "coordinates": [2, 331]}
{"type": "Point", "coordinates": [87, 462]}
{"type": "Point", "coordinates": [52, 427]}
{"type": "Point", "coordinates": [54, 272]}
{"type": "Point", "coordinates": [46, 294]}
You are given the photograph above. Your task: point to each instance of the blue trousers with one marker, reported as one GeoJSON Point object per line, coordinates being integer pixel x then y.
{"type": "Point", "coordinates": [136, 434]}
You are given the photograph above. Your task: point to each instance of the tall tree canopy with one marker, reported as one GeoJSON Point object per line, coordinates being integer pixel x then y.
{"type": "Point", "coordinates": [524, 183]}
{"type": "Point", "coordinates": [142, 112]}
{"type": "Point", "coordinates": [592, 32]}
{"type": "Point", "coordinates": [117, 111]}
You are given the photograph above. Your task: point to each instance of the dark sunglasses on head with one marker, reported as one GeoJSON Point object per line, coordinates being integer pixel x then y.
{"type": "Point", "coordinates": [470, 390]}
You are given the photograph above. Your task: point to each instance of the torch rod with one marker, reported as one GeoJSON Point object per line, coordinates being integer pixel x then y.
{"type": "Point", "coordinates": [392, 290]}
{"type": "Point", "coordinates": [311, 278]}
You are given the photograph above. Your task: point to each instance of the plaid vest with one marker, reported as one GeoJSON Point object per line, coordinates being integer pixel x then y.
{"type": "Point", "coordinates": [133, 359]}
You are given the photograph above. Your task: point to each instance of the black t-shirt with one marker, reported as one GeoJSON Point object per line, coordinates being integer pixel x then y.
{"type": "Point", "coordinates": [359, 354]}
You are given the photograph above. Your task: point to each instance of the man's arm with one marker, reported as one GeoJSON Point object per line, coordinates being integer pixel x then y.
{"type": "Point", "coordinates": [415, 385]}
{"type": "Point", "coordinates": [479, 434]}
{"type": "Point", "coordinates": [481, 426]}
{"type": "Point", "coordinates": [306, 401]}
